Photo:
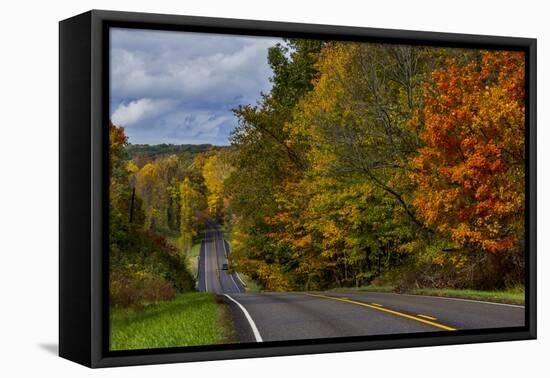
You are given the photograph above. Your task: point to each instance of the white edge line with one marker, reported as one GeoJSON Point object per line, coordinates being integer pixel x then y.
{"type": "Point", "coordinates": [255, 331]}
{"type": "Point", "coordinates": [224, 251]}
{"type": "Point", "coordinates": [465, 300]}
{"type": "Point", "coordinates": [234, 283]}
{"type": "Point", "coordinates": [453, 299]}
{"type": "Point", "coordinates": [231, 275]}
{"type": "Point", "coordinates": [240, 279]}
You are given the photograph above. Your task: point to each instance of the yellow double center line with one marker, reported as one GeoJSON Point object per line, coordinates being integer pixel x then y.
{"type": "Point", "coordinates": [385, 310]}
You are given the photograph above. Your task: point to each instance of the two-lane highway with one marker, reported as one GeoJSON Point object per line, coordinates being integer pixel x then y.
{"type": "Point", "coordinates": [213, 257]}
{"type": "Point", "coordinates": [306, 315]}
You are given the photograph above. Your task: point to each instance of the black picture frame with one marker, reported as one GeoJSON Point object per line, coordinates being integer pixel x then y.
{"type": "Point", "coordinates": [83, 181]}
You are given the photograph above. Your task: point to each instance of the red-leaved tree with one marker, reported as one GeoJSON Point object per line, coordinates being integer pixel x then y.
{"type": "Point", "coordinates": [470, 174]}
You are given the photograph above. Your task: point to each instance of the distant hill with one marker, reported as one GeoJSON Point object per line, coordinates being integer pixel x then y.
{"type": "Point", "coordinates": [153, 151]}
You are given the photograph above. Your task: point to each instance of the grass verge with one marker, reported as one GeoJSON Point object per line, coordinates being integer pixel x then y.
{"type": "Point", "coordinates": [511, 296]}
{"type": "Point", "coordinates": [514, 295]}
{"type": "Point", "coordinates": [379, 289]}
{"type": "Point", "coordinates": [251, 285]}
{"type": "Point", "coordinates": [190, 319]}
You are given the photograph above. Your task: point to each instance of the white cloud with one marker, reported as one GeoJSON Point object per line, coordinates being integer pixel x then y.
{"type": "Point", "coordinates": [216, 74]}
{"type": "Point", "coordinates": [180, 87]}
{"type": "Point", "coordinates": [127, 114]}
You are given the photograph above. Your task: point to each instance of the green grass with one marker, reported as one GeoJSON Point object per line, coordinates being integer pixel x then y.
{"type": "Point", "coordinates": [514, 295]}
{"type": "Point", "coordinates": [195, 250]}
{"type": "Point", "coordinates": [251, 285]}
{"type": "Point", "coordinates": [190, 319]}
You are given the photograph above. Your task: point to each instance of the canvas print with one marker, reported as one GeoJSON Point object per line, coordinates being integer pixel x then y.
{"type": "Point", "coordinates": [265, 189]}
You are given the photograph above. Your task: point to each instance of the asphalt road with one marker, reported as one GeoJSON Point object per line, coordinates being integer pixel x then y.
{"type": "Point", "coordinates": [213, 255]}
{"type": "Point", "coordinates": [288, 316]}
{"type": "Point", "coordinates": [301, 315]}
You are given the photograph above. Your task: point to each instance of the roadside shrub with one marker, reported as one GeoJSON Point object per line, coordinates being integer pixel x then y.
{"type": "Point", "coordinates": [135, 250]}
{"type": "Point", "coordinates": [438, 268]}
{"type": "Point", "coordinates": [137, 288]}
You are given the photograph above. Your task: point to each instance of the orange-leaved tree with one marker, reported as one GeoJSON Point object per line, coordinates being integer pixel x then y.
{"type": "Point", "coordinates": [470, 173]}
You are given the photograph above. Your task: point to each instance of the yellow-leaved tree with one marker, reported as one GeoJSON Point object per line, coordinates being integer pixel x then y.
{"type": "Point", "coordinates": [190, 205]}
{"type": "Point", "coordinates": [216, 170]}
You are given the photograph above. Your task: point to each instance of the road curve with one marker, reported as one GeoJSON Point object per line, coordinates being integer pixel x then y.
{"type": "Point", "coordinates": [308, 315]}
{"type": "Point", "coordinates": [293, 316]}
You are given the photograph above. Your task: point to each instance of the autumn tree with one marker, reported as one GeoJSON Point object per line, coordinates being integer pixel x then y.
{"type": "Point", "coordinates": [470, 173]}
{"type": "Point", "coordinates": [335, 119]}
{"type": "Point", "coordinates": [140, 261]}
{"type": "Point", "coordinates": [351, 131]}
{"type": "Point", "coordinates": [216, 170]}
{"type": "Point", "coordinates": [118, 186]}
{"type": "Point", "coordinates": [358, 112]}
{"type": "Point", "coordinates": [158, 184]}
{"type": "Point", "coordinates": [264, 162]}
{"type": "Point", "coordinates": [191, 202]}
{"type": "Point", "coordinates": [369, 160]}
{"type": "Point", "coordinates": [146, 185]}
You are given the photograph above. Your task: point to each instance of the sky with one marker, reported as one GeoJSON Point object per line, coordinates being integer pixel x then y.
{"type": "Point", "coordinates": [179, 87]}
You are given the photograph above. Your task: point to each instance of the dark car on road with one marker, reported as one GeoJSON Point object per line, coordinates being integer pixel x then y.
{"type": "Point", "coordinates": [224, 266]}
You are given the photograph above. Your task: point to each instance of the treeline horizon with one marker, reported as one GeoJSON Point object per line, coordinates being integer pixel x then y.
{"type": "Point", "coordinates": [156, 150]}
{"type": "Point", "coordinates": [365, 164]}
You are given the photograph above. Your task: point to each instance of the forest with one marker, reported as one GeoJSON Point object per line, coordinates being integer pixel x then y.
{"type": "Point", "coordinates": [365, 164]}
